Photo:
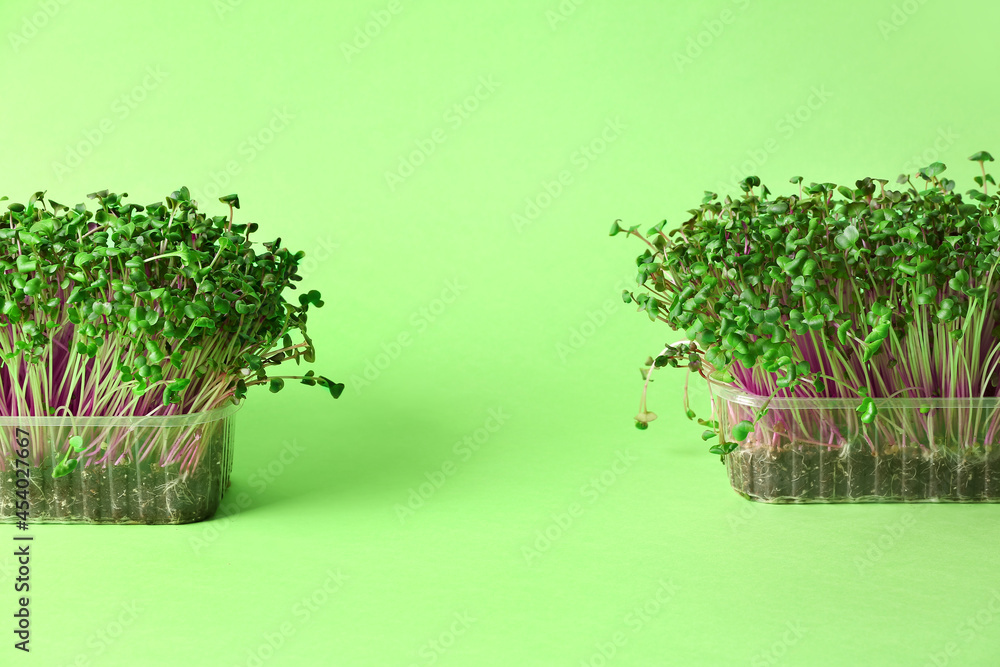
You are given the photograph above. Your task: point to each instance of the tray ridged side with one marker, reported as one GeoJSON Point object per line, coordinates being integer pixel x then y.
{"type": "Point", "coordinates": [142, 487]}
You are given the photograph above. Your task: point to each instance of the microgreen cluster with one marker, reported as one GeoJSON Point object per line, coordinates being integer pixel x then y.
{"type": "Point", "coordinates": [862, 292]}
{"type": "Point", "coordinates": [143, 310]}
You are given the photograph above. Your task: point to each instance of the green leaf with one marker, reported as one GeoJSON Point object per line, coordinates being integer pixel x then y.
{"type": "Point", "coordinates": [723, 449]}
{"type": "Point", "coordinates": [82, 259]}
{"type": "Point", "coordinates": [927, 296]}
{"type": "Point", "coordinates": [867, 410]}
{"type": "Point", "coordinates": [179, 385]}
{"type": "Point", "coordinates": [335, 388]}
{"type": "Point", "coordinates": [12, 311]}
{"type": "Point", "coordinates": [847, 238]}
{"type": "Point", "coordinates": [232, 200]}
{"type": "Point", "coordinates": [742, 430]}
{"type": "Point", "coordinates": [33, 287]}
{"type": "Point", "coordinates": [26, 264]}
{"type": "Point", "coordinates": [959, 280]}
{"type": "Point", "coordinates": [64, 468]}
{"type": "Point", "coordinates": [311, 297]}
{"type": "Point", "coordinates": [933, 169]}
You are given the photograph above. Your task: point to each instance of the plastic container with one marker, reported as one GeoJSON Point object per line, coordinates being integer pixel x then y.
{"type": "Point", "coordinates": [819, 451]}
{"type": "Point", "coordinates": [153, 470]}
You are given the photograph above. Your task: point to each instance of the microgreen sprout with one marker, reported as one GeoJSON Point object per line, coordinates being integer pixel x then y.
{"type": "Point", "coordinates": [131, 310]}
{"type": "Point", "coordinates": [859, 292]}
{"type": "Point", "coordinates": [68, 465]}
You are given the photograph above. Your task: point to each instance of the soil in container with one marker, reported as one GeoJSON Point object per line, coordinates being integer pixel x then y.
{"type": "Point", "coordinates": [739, 465]}
{"type": "Point", "coordinates": [888, 473]}
{"type": "Point", "coordinates": [944, 475]}
{"type": "Point", "coordinates": [791, 474]}
{"type": "Point", "coordinates": [770, 474]}
{"type": "Point", "coordinates": [116, 494]}
{"type": "Point", "coordinates": [41, 489]}
{"type": "Point", "coordinates": [826, 480]}
{"type": "Point", "coordinates": [805, 472]}
{"type": "Point", "coordinates": [123, 491]}
{"type": "Point", "coordinates": [916, 473]}
{"type": "Point", "coordinates": [93, 491]}
{"type": "Point", "coordinates": [63, 502]}
{"type": "Point", "coordinates": [972, 474]}
{"type": "Point", "coordinates": [858, 480]}
{"type": "Point", "coordinates": [993, 472]}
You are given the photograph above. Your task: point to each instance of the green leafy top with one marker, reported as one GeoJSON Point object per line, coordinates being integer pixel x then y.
{"type": "Point", "coordinates": [816, 293]}
{"type": "Point", "coordinates": [184, 306]}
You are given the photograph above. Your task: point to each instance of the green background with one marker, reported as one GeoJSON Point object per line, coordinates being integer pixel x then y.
{"type": "Point", "coordinates": [453, 175]}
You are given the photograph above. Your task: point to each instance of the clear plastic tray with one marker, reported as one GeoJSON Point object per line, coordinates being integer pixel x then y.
{"type": "Point", "coordinates": [819, 451]}
{"type": "Point", "coordinates": [153, 470]}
